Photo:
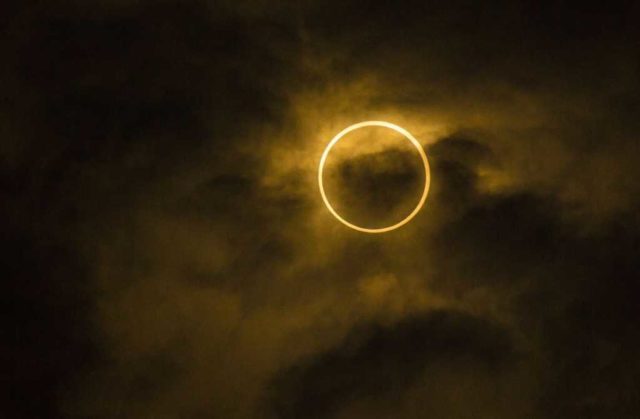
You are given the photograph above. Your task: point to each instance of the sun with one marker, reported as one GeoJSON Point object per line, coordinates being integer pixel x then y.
{"type": "Point", "coordinates": [408, 136]}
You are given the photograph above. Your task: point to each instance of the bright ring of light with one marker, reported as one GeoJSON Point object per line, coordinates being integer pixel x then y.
{"type": "Point", "coordinates": [408, 136]}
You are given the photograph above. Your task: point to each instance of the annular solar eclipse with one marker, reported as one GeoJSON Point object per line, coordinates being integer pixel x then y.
{"type": "Point", "coordinates": [408, 136]}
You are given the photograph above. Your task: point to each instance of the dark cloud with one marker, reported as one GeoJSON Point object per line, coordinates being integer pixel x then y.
{"type": "Point", "coordinates": [371, 187]}
{"type": "Point", "coordinates": [168, 255]}
{"type": "Point", "coordinates": [45, 331]}
{"type": "Point", "coordinates": [573, 294]}
{"type": "Point", "coordinates": [376, 361]}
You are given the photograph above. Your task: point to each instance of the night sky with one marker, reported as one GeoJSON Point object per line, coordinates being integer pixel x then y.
{"type": "Point", "coordinates": [167, 254]}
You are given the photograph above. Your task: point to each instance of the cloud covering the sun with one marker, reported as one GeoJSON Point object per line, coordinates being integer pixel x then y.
{"type": "Point", "coordinates": [172, 256]}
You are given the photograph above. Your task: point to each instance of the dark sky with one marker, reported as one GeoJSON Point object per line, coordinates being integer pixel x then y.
{"type": "Point", "coordinates": [167, 253]}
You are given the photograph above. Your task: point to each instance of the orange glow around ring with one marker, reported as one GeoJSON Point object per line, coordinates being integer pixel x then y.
{"type": "Point", "coordinates": [408, 136]}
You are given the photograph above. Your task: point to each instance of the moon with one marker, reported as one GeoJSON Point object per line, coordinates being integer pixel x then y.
{"type": "Point", "coordinates": [408, 136]}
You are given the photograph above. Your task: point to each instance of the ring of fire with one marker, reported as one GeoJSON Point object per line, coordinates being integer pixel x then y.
{"type": "Point", "coordinates": [408, 136]}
